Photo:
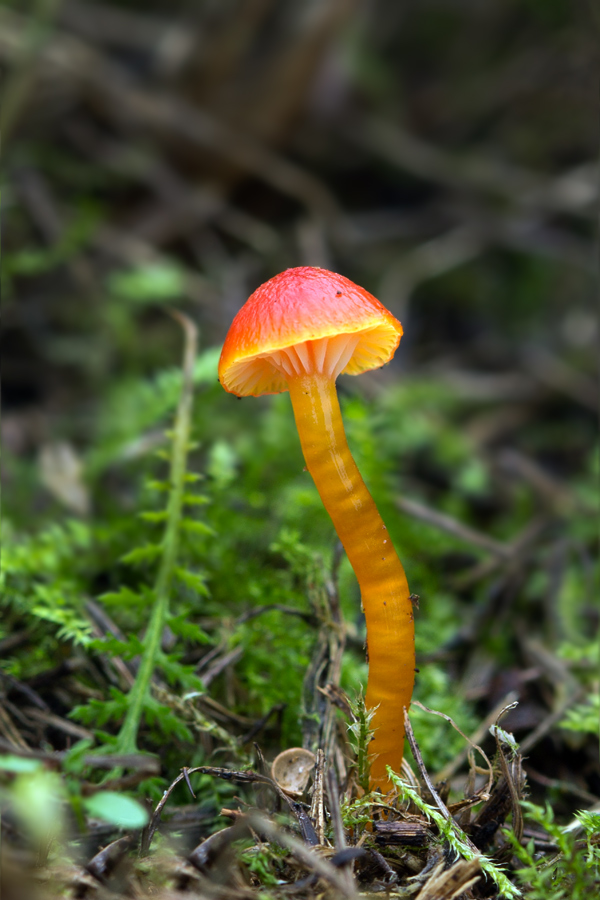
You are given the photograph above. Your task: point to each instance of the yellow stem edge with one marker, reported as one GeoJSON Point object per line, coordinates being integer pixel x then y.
{"type": "Point", "coordinates": [384, 589]}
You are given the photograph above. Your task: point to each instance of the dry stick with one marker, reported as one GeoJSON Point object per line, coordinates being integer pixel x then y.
{"type": "Point", "coordinates": [309, 618]}
{"type": "Point", "coordinates": [466, 242]}
{"type": "Point", "coordinates": [14, 640]}
{"type": "Point", "coordinates": [317, 810]}
{"type": "Point", "coordinates": [338, 826]}
{"type": "Point", "coordinates": [546, 724]}
{"type": "Point", "coordinates": [517, 815]}
{"type": "Point", "coordinates": [430, 259]}
{"type": "Point", "coordinates": [54, 721]}
{"type": "Point", "coordinates": [555, 373]}
{"type": "Point", "coordinates": [334, 811]}
{"type": "Point", "coordinates": [247, 777]}
{"type": "Point", "coordinates": [425, 776]}
{"type": "Point", "coordinates": [519, 547]}
{"type": "Point", "coordinates": [37, 195]}
{"type": "Point", "coordinates": [258, 822]}
{"type": "Point", "coordinates": [556, 670]}
{"type": "Point", "coordinates": [262, 828]}
{"type": "Point", "coordinates": [557, 495]}
{"type": "Point", "coordinates": [221, 663]}
{"type": "Point", "coordinates": [477, 736]}
{"type": "Point", "coordinates": [180, 209]}
{"type": "Point", "coordinates": [391, 877]}
{"type": "Point", "coordinates": [152, 825]}
{"type": "Point", "coordinates": [259, 724]}
{"type": "Point", "coordinates": [102, 625]}
{"type": "Point", "coordinates": [476, 746]}
{"type": "Point", "coordinates": [564, 786]}
{"type": "Point", "coordinates": [143, 31]}
{"type": "Point", "coordinates": [150, 765]}
{"type": "Point", "coordinates": [453, 526]}
{"type": "Point", "coordinates": [35, 32]}
{"type": "Point", "coordinates": [525, 188]}
{"type": "Point", "coordinates": [303, 854]}
{"type": "Point", "coordinates": [104, 863]}
{"type": "Point", "coordinates": [446, 884]}
{"type": "Point", "coordinates": [7, 727]}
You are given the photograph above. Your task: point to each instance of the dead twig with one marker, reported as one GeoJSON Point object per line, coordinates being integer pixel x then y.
{"type": "Point", "coordinates": [452, 526]}
{"type": "Point", "coordinates": [425, 776]}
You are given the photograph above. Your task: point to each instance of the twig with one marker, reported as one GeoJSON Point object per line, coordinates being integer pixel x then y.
{"type": "Point", "coordinates": [334, 811]}
{"type": "Point", "coordinates": [309, 617]}
{"type": "Point", "coordinates": [524, 188]}
{"type": "Point", "coordinates": [34, 35]}
{"type": "Point", "coordinates": [54, 721]}
{"type": "Point", "coordinates": [451, 525]}
{"type": "Point", "coordinates": [470, 741]}
{"type": "Point", "coordinates": [149, 764]}
{"type": "Point", "coordinates": [510, 778]}
{"type": "Point", "coordinates": [258, 726]}
{"type": "Point", "coordinates": [317, 811]}
{"type": "Point", "coordinates": [477, 736]}
{"type": "Point", "coordinates": [236, 777]}
{"type": "Point", "coordinates": [221, 663]}
{"type": "Point", "coordinates": [425, 776]}
{"type": "Point", "coordinates": [550, 721]}
{"type": "Point", "coordinates": [304, 855]}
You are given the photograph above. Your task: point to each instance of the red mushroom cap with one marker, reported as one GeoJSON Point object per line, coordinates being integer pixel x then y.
{"type": "Point", "coordinates": [302, 321]}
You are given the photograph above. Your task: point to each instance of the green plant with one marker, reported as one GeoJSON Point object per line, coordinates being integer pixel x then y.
{"type": "Point", "coordinates": [165, 554]}
{"type": "Point", "coordinates": [42, 577]}
{"type": "Point", "coordinates": [455, 836]}
{"type": "Point", "coordinates": [263, 861]}
{"type": "Point", "coordinates": [360, 733]}
{"type": "Point", "coordinates": [584, 716]}
{"type": "Point", "coordinates": [573, 871]}
{"type": "Point", "coordinates": [39, 799]}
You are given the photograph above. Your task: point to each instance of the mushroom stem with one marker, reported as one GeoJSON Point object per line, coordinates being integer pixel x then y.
{"type": "Point", "coordinates": [384, 589]}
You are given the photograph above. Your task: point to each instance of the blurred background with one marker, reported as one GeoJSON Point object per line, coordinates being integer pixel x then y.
{"type": "Point", "coordinates": [441, 154]}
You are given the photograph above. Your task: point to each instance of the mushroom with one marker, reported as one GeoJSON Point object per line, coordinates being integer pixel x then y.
{"type": "Point", "coordinates": [297, 333]}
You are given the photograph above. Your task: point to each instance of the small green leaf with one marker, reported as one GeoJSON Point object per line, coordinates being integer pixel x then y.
{"type": "Point", "coordinates": [189, 631]}
{"type": "Point", "coordinates": [124, 597]}
{"type": "Point", "coordinates": [195, 499]}
{"type": "Point", "coordinates": [193, 580]}
{"type": "Point", "coordinates": [38, 800]}
{"type": "Point", "coordinates": [159, 515]}
{"type": "Point", "coordinates": [118, 809]}
{"type": "Point", "coordinates": [147, 553]}
{"type": "Point", "coordinates": [156, 282]}
{"type": "Point", "coordinates": [154, 485]}
{"type": "Point", "coordinates": [19, 764]}
{"type": "Point", "coordinates": [195, 527]}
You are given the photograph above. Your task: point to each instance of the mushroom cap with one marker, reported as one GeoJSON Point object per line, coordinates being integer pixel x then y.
{"type": "Point", "coordinates": [301, 305]}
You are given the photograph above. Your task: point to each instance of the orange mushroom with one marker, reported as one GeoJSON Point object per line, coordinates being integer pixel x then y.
{"type": "Point", "coordinates": [297, 333]}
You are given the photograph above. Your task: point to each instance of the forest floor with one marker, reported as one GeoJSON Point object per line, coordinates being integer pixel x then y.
{"type": "Point", "coordinates": [158, 655]}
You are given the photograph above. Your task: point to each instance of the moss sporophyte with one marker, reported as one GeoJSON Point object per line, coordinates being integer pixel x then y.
{"type": "Point", "coordinates": [297, 333]}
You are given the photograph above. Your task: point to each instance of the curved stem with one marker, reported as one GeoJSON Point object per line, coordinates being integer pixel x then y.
{"type": "Point", "coordinates": [384, 589]}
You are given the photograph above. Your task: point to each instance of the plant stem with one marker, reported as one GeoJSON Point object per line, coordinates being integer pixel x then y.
{"type": "Point", "coordinates": [127, 739]}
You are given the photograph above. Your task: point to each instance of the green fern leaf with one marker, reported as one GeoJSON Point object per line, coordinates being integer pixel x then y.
{"type": "Point", "coordinates": [147, 553]}
{"type": "Point", "coordinates": [194, 580]}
